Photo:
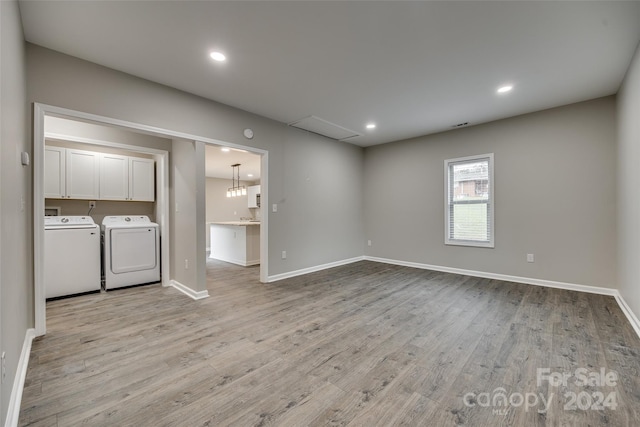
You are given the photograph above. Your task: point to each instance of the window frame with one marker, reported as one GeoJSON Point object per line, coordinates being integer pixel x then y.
{"type": "Point", "coordinates": [448, 191]}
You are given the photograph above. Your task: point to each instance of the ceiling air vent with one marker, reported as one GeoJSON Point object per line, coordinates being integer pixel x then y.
{"type": "Point", "coordinates": [459, 125]}
{"type": "Point", "coordinates": [323, 127]}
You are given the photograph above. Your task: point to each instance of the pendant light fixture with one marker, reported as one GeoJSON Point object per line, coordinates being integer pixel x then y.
{"type": "Point", "coordinates": [236, 190]}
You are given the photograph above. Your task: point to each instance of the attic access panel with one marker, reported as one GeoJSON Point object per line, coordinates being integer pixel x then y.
{"type": "Point", "coordinates": [323, 127]}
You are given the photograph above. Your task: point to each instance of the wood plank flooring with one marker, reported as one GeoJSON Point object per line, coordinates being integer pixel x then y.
{"type": "Point", "coordinates": [359, 345]}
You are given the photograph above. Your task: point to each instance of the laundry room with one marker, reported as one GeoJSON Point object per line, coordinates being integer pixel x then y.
{"type": "Point", "coordinates": [100, 198]}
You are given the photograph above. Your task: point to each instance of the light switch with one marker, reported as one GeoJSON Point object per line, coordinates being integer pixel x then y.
{"type": "Point", "coordinates": [274, 208]}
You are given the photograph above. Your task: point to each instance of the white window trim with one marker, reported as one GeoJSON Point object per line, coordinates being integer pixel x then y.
{"type": "Point", "coordinates": [456, 242]}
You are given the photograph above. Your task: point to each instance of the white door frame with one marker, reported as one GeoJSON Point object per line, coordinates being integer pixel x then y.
{"type": "Point", "coordinates": [162, 206]}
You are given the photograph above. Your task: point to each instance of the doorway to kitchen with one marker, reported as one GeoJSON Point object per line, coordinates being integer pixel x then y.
{"type": "Point", "coordinates": [233, 211]}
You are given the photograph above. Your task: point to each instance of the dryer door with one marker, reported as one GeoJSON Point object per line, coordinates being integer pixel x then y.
{"type": "Point", "coordinates": [133, 249]}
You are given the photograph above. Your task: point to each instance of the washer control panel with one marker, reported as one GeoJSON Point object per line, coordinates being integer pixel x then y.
{"type": "Point", "coordinates": [115, 220]}
{"type": "Point", "coordinates": [68, 221]}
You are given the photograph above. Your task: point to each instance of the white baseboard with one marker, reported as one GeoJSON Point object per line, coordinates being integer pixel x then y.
{"type": "Point", "coordinates": [627, 312]}
{"type": "Point", "coordinates": [188, 291]}
{"type": "Point", "coordinates": [504, 277]}
{"type": "Point", "coordinates": [313, 269]}
{"type": "Point", "coordinates": [240, 262]}
{"type": "Point", "coordinates": [13, 412]}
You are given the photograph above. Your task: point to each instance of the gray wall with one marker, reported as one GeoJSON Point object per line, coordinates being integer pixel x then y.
{"type": "Point", "coordinates": [555, 195]}
{"type": "Point", "coordinates": [185, 216]}
{"type": "Point", "coordinates": [16, 266]}
{"type": "Point", "coordinates": [320, 202]}
{"type": "Point", "coordinates": [93, 131]}
{"type": "Point", "coordinates": [628, 179]}
{"type": "Point", "coordinates": [103, 208]}
{"type": "Point", "coordinates": [331, 229]}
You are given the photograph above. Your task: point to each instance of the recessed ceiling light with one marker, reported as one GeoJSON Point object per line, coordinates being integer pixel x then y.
{"type": "Point", "coordinates": [218, 56]}
{"type": "Point", "coordinates": [371, 126]}
{"type": "Point", "coordinates": [225, 150]}
{"type": "Point", "coordinates": [249, 175]}
{"type": "Point", "coordinates": [505, 89]}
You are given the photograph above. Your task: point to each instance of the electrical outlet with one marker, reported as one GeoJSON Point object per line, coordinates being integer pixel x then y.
{"type": "Point", "coordinates": [284, 254]}
{"type": "Point", "coordinates": [92, 204]}
{"type": "Point", "coordinates": [186, 264]}
{"type": "Point", "coordinates": [4, 366]}
{"type": "Point", "coordinates": [530, 258]}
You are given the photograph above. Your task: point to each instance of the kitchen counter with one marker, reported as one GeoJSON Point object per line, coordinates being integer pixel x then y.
{"type": "Point", "coordinates": [235, 242]}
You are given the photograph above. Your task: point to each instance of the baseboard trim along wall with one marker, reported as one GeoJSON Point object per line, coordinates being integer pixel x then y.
{"type": "Point", "coordinates": [13, 412]}
{"type": "Point", "coordinates": [504, 277]}
{"type": "Point", "coordinates": [188, 291]}
{"type": "Point", "coordinates": [525, 280]}
{"type": "Point", "coordinates": [313, 269]}
{"type": "Point", "coordinates": [627, 312]}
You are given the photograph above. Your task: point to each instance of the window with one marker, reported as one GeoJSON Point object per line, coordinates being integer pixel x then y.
{"type": "Point", "coordinates": [469, 201]}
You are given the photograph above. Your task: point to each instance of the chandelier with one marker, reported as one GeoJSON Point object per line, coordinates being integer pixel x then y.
{"type": "Point", "coordinates": [236, 189]}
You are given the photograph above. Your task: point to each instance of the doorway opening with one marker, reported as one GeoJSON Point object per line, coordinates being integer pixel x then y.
{"type": "Point", "coordinates": [233, 209]}
{"type": "Point", "coordinates": [162, 207]}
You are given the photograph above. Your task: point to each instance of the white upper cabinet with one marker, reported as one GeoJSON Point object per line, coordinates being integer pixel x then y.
{"type": "Point", "coordinates": [114, 177]}
{"type": "Point", "coordinates": [141, 179]}
{"type": "Point", "coordinates": [70, 174]}
{"type": "Point", "coordinates": [79, 174]}
{"type": "Point", "coordinates": [127, 178]}
{"type": "Point", "coordinates": [54, 172]}
{"type": "Point", "coordinates": [82, 173]}
{"type": "Point", "coordinates": [253, 196]}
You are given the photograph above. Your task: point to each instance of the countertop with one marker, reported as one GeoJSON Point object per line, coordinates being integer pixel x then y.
{"type": "Point", "coordinates": [236, 223]}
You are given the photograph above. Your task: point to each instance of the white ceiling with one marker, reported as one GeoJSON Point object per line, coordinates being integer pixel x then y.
{"type": "Point", "coordinates": [413, 68]}
{"type": "Point", "coordinates": [218, 163]}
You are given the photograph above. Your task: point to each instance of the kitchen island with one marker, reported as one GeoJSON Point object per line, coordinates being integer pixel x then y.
{"type": "Point", "coordinates": [237, 242]}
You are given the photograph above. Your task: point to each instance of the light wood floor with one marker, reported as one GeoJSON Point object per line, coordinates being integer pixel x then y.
{"type": "Point", "coordinates": [360, 345]}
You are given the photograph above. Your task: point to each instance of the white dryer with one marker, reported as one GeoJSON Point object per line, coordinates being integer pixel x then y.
{"type": "Point", "coordinates": [131, 253]}
{"type": "Point", "coordinates": [71, 255]}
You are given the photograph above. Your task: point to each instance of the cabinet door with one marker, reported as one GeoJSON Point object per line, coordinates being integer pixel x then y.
{"type": "Point", "coordinates": [54, 172]}
{"type": "Point", "coordinates": [82, 174]}
{"type": "Point", "coordinates": [114, 177]}
{"type": "Point", "coordinates": [252, 193]}
{"type": "Point", "coordinates": [141, 179]}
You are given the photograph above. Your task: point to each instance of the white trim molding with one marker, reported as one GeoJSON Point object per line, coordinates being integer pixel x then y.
{"type": "Point", "coordinates": [635, 323]}
{"type": "Point", "coordinates": [504, 277]}
{"type": "Point", "coordinates": [188, 291]}
{"type": "Point", "coordinates": [13, 411]}
{"type": "Point", "coordinates": [313, 269]}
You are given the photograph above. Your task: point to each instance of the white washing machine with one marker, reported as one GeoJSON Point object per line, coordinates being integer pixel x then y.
{"type": "Point", "coordinates": [131, 253]}
{"type": "Point", "coordinates": [71, 255]}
